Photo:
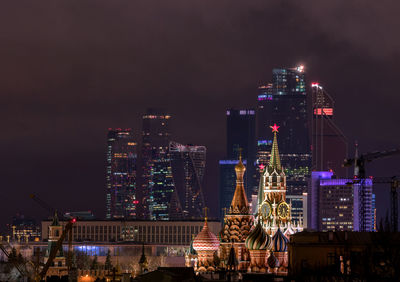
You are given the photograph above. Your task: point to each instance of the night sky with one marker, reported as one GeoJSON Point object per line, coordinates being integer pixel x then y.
{"type": "Point", "coordinates": [71, 69]}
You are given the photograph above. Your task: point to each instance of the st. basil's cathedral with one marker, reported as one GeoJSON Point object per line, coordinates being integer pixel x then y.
{"type": "Point", "coordinates": [250, 242]}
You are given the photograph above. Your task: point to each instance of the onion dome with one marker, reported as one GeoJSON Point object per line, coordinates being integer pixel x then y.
{"type": "Point", "coordinates": [258, 239]}
{"type": "Point", "coordinates": [279, 241]}
{"type": "Point", "coordinates": [272, 261]}
{"type": "Point", "coordinates": [205, 240]}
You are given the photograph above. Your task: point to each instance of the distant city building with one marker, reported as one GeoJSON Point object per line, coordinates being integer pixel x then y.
{"type": "Point", "coordinates": [298, 208]}
{"type": "Point", "coordinates": [165, 232]}
{"type": "Point", "coordinates": [241, 135]}
{"type": "Point", "coordinates": [188, 164]}
{"type": "Point", "coordinates": [121, 174]}
{"type": "Point", "coordinates": [284, 102]}
{"type": "Point", "coordinates": [227, 184]}
{"type": "Point", "coordinates": [24, 229]}
{"type": "Point", "coordinates": [335, 203]}
{"type": "Point", "coordinates": [329, 145]}
{"type": "Point", "coordinates": [156, 183]}
{"type": "Point", "coordinates": [80, 215]}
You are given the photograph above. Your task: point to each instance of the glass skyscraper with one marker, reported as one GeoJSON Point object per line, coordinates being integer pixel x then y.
{"type": "Point", "coordinates": [156, 181]}
{"type": "Point", "coordinates": [121, 161]}
{"type": "Point", "coordinates": [284, 102]}
{"type": "Point", "coordinates": [188, 164]}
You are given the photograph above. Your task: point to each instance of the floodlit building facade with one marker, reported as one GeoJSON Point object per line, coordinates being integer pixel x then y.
{"type": "Point", "coordinates": [335, 203]}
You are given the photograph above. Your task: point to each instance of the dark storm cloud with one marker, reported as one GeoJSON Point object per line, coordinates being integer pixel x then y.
{"type": "Point", "coordinates": [71, 69]}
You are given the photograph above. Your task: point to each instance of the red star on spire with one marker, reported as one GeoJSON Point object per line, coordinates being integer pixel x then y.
{"type": "Point", "coordinates": [261, 166]}
{"type": "Point", "coordinates": [275, 128]}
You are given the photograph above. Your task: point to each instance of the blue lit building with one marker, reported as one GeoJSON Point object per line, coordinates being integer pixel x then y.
{"type": "Point", "coordinates": [121, 174]}
{"type": "Point", "coordinates": [334, 203]}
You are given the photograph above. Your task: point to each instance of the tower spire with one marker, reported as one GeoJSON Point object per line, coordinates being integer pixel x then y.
{"type": "Point", "coordinates": [275, 160]}
{"type": "Point", "coordinates": [261, 186]}
{"type": "Point", "coordinates": [239, 202]}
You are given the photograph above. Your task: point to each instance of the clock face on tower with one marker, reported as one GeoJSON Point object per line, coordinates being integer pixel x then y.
{"type": "Point", "coordinates": [266, 209]}
{"type": "Point", "coordinates": [283, 210]}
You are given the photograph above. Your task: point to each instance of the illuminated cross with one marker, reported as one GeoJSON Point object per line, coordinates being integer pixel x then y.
{"type": "Point", "coordinates": [274, 128]}
{"type": "Point", "coordinates": [240, 153]}
{"type": "Point", "coordinates": [205, 212]}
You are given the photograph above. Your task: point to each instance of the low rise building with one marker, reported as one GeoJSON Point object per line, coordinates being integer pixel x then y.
{"type": "Point", "coordinates": [148, 232]}
{"type": "Point", "coordinates": [353, 254]}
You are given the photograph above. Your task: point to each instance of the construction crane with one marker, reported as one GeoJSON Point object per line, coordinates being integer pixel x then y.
{"type": "Point", "coordinates": [359, 176]}
{"type": "Point", "coordinates": [394, 209]}
{"type": "Point", "coordinates": [67, 229]}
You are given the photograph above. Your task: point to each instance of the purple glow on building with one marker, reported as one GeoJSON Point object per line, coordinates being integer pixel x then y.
{"type": "Point", "coordinates": [264, 97]}
{"type": "Point", "coordinates": [332, 182]}
{"type": "Point", "coordinates": [231, 162]}
{"type": "Point", "coordinates": [321, 175]}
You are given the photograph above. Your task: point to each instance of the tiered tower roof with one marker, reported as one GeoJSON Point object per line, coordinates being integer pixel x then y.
{"type": "Point", "coordinates": [239, 204]}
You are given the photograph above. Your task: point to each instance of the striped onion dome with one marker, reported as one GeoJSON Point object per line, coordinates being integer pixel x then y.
{"type": "Point", "coordinates": [258, 239]}
{"type": "Point", "coordinates": [205, 240]}
{"type": "Point", "coordinates": [279, 241]}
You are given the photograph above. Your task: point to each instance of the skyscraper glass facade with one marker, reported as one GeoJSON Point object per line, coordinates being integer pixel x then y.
{"type": "Point", "coordinates": [156, 182]}
{"type": "Point", "coordinates": [188, 164]}
{"type": "Point", "coordinates": [284, 102]}
{"type": "Point", "coordinates": [121, 162]}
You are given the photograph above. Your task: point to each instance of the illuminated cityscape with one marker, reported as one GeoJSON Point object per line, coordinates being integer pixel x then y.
{"type": "Point", "coordinates": [199, 141]}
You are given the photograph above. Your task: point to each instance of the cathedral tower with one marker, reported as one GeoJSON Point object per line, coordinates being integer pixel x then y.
{"type": "Point", "coordinates": [237, 222]}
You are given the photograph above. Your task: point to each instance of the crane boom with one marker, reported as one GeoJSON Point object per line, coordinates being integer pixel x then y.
{"type": "Point", "coordinates": [359, 173]}
{"type": "Point", "coordinates": [369, 157]}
